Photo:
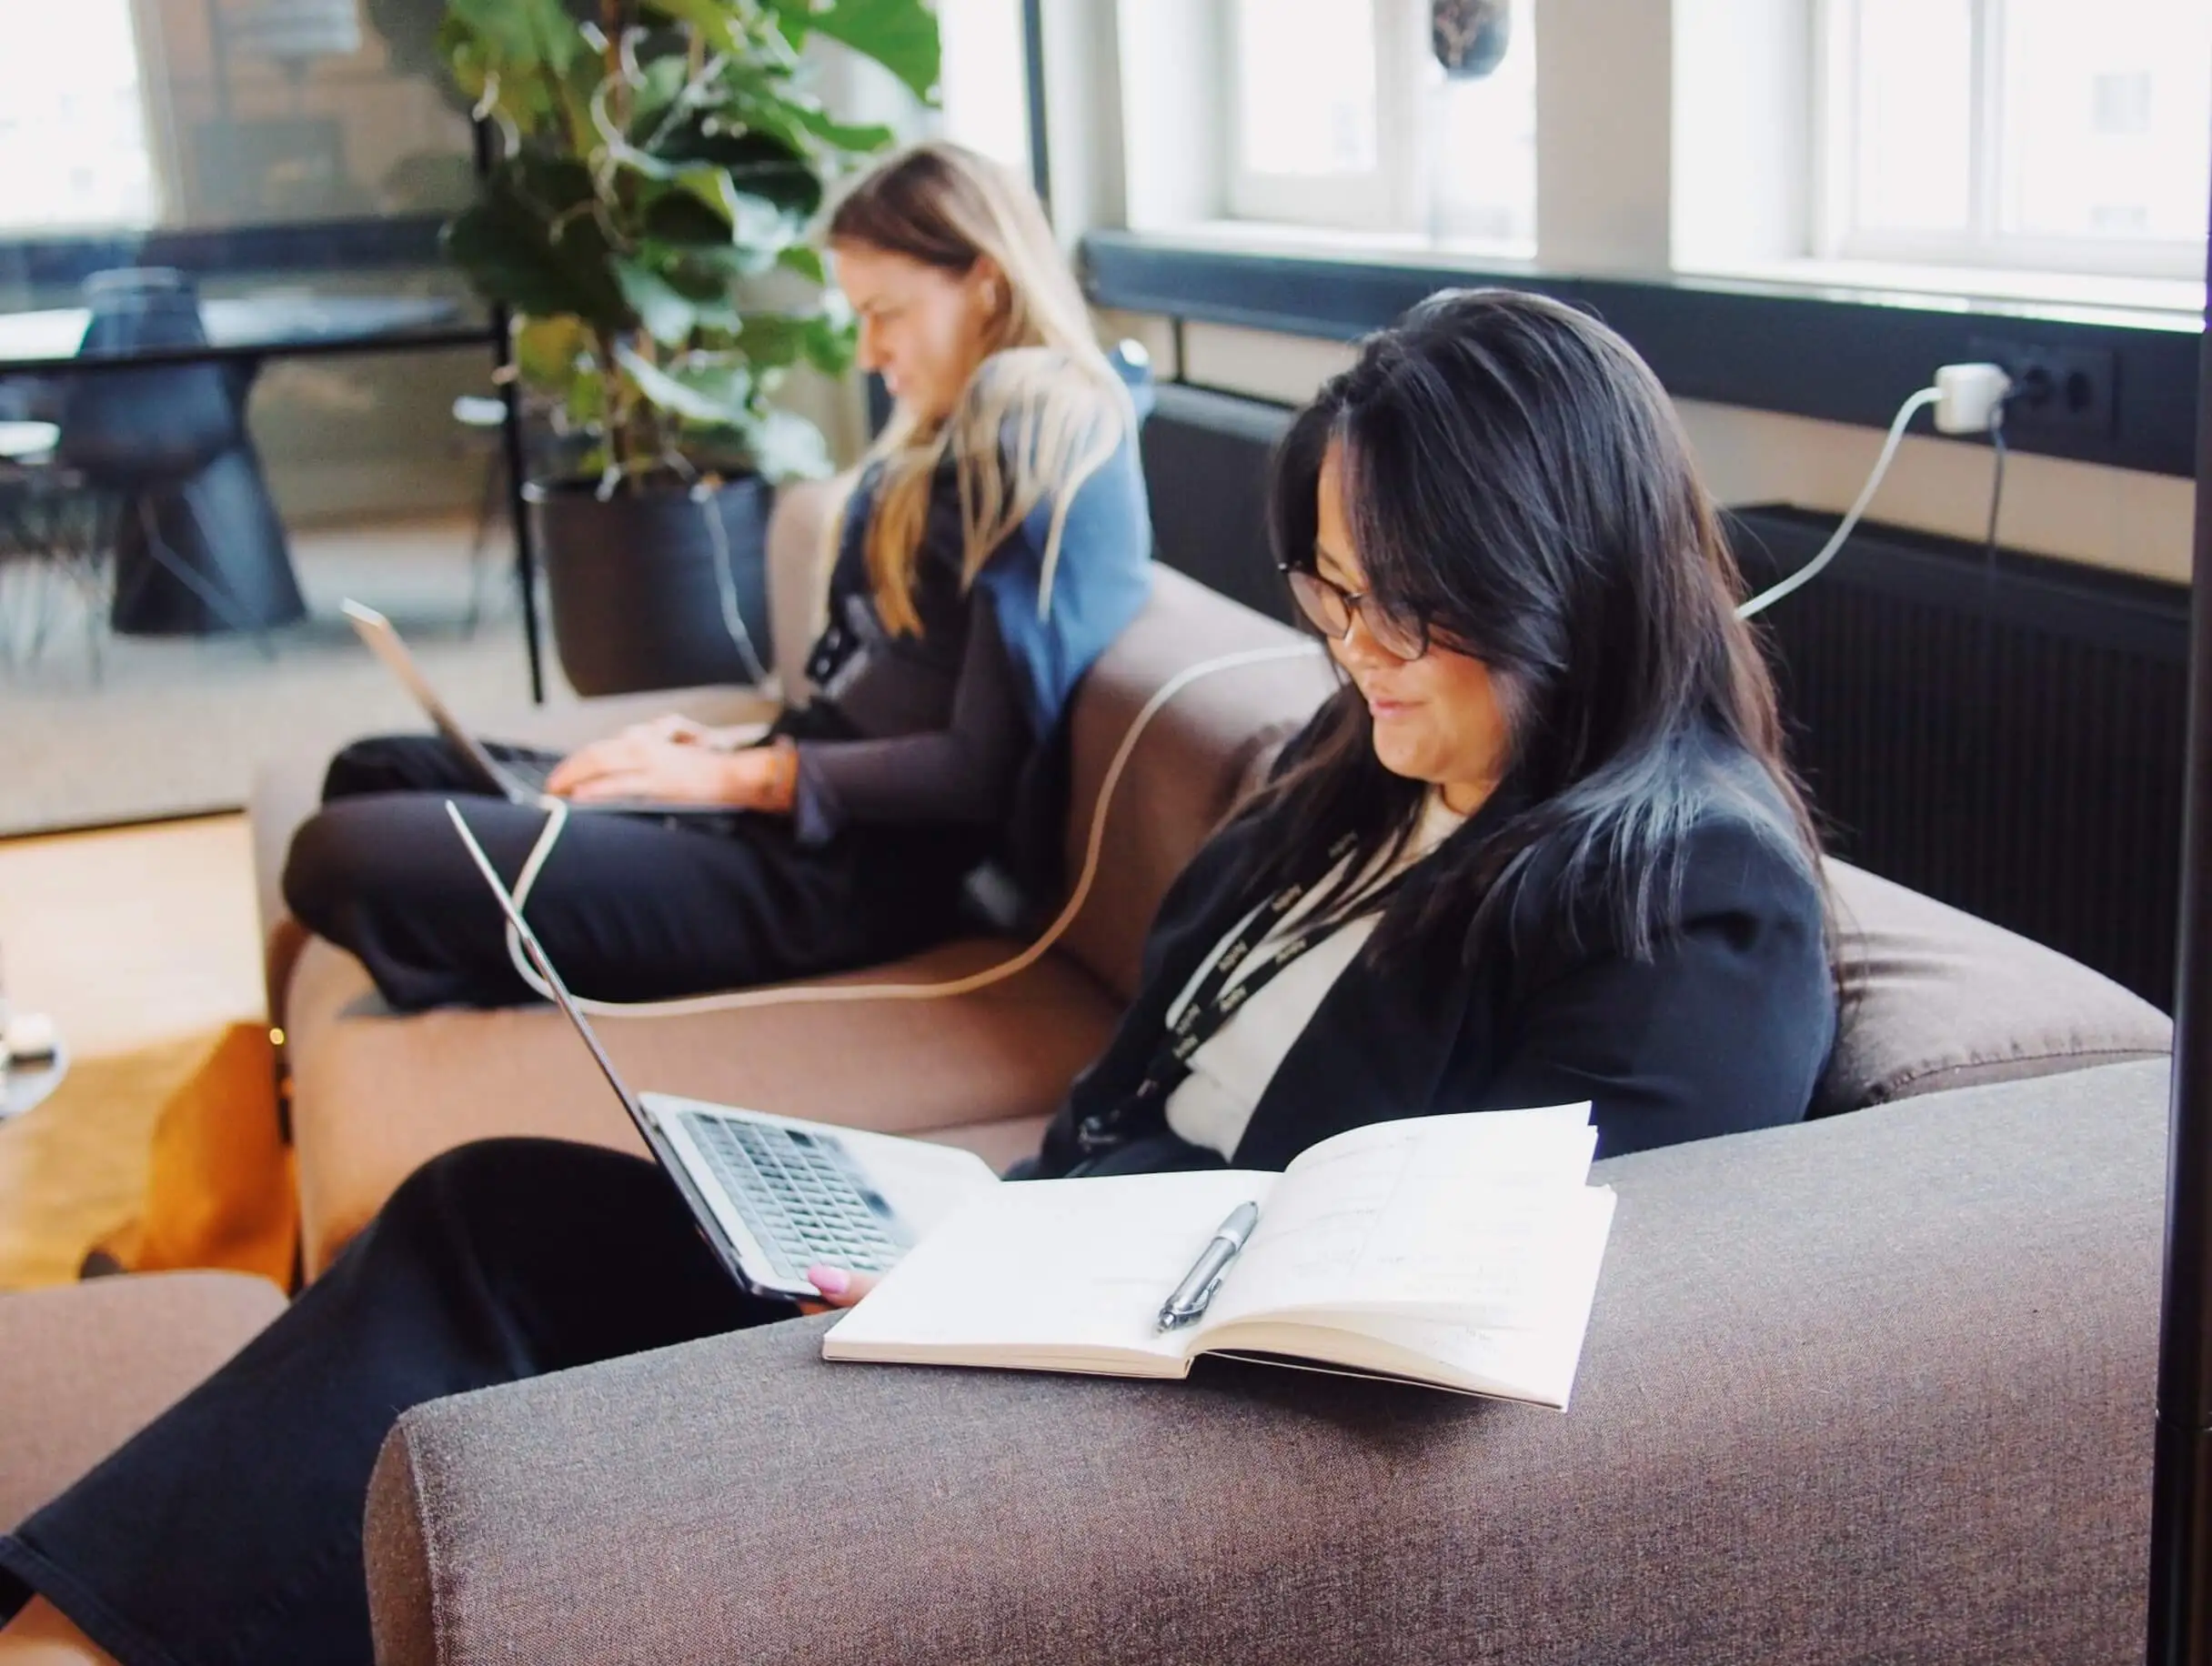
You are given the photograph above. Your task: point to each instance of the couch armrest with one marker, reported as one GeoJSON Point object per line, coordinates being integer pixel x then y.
{"type": "Point", "coordinates": [1877, 1387]}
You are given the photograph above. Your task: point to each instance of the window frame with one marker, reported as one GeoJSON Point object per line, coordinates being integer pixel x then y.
{"type": "Point", "coordinates": [1395, 197]}
{"type": "Point", "coordinates": [1379, 199]}
{"type": "Point", "coordinates": [1838, 236]}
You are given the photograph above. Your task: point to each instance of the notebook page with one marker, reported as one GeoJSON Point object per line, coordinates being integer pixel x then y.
{"type": "Point", "coordinates": [1528, 1364]}
{"type": "Point", "coordinates": [1462, 1217]}
{"type": "Point", "coordinates": [1048, 1272]}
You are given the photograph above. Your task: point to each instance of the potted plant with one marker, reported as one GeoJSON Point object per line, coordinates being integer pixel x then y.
{"type": "Point", "coordinates": [644, 222]}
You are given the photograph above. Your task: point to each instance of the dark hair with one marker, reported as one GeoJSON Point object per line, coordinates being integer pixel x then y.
{"type": "Point", "coordinates": [1515, 479]}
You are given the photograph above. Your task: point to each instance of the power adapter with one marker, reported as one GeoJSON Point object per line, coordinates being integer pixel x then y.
{"type": "Point", "coordinates": [1970, 398]}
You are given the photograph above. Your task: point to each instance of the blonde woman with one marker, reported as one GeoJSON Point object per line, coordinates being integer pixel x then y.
{"type": "Point", "coordinates": [996, 543]}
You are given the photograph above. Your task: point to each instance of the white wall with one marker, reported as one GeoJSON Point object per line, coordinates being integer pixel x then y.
{"type": "Point", "coordinates": [2111, 518]}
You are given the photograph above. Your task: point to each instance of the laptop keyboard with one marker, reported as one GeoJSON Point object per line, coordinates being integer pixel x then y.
{"type": "Point", "coordinates": [797, 1196]}
{"type": "Point", "coordinates": [532, 772]}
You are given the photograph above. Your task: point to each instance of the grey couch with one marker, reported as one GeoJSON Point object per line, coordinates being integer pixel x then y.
{"type": "Point", "coordinates": [1875, 1387]}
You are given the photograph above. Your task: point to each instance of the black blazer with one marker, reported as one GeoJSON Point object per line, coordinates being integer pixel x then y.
{"type": "Point", "coordinates": [1726, 1027]}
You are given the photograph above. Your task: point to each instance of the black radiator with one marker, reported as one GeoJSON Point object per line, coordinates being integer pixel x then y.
{"type": "Point", "coordinates": [2005, 737]}
{"type": "Point", "coordinates": [2008, 740]}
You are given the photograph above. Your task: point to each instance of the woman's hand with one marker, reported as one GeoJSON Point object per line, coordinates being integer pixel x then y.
{"type": "Point", "coordinates": [690, 732]}
{"type": "Point", "coordinates": [839, 1288]}
{"type": "Point", "coordinates": [669, 764]}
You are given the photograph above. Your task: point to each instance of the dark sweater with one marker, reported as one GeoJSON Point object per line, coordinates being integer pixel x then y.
{"type": "Point", "coordinates": [943, 725]}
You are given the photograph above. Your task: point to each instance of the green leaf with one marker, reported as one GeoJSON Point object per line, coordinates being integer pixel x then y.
{"type": "Point", "coordinates": [900, 35]}
{"type": "Point", "coordinates": [669, 317]}
{"type": "Point", "coordinates": [861, 139]}
{"type": "Point", "coordinates": [549, 351]}
{"type": "Point", "coordinates": [661, 81]}
{"type": "Point", "coordinates": [533, 242]}
{"type": "Point", "coordinates": [717, 402]}
{"type": "Point", "coordinates": [521, 35]}
{"type": "Point", "coordinates": [829, 344]}
{"type": "Point", "coordinates": [804, 260]}
{"type": "Point", "coordinates": [773, 340]}
{"type": "Point", "coordinates": [757, 163]}
{"type": "Point", "coordinates": [717, 21]}
{"type": "Point", "coordinates": [586, 405]}
{"type": "Point", "coordinates": [777, 340]}
{"type": "Point", "coordinates": [787, 447]}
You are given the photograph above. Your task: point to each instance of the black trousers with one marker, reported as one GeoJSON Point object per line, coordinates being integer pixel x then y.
{"type": "Point", "coordinates": [230, 1529]}
{"type": "Point", "coordinates": [629, 908]}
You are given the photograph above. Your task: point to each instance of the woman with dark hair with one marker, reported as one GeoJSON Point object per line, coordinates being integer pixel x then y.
{"type": "Point", "coordinates": [976, 579]}
{"type": "Point", "coordinates": [1539, 847]}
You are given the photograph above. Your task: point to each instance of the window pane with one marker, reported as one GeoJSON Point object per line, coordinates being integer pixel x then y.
{"type": "Point", "coordinates": [985, 78]}
{"type": "Point", "coordinates": [1912, 115]}
{"type": "Point", "coordinates": [1306, 86]}
{"type": "Point", "coordinates": [1485, 144]}
{"type": "Point", "coordinates": [72, 150]}
{"type": "Point", "coordinates": [2107, 118]}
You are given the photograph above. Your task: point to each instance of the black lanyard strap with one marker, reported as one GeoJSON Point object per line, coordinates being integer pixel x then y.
{"type": "Point", "coordinates": [1213, 1001]}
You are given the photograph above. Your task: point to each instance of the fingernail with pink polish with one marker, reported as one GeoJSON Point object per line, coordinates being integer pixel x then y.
{"type": "Point", "coordinates": [829, 1281]}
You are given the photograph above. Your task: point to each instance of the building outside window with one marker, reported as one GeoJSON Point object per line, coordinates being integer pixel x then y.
{"type": "Point", "coordinates": [73, 129]}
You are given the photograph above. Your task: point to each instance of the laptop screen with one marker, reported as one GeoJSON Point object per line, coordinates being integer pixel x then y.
{"type": "Point", "coordinates": [534, 951]}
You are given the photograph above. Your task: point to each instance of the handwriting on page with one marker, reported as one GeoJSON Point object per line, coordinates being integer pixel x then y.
{"type": "Point", "coordinates": [1459, 1216]}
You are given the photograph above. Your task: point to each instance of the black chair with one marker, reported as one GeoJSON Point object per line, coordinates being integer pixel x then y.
{"type": "Point", "coordinates": [166, 445]}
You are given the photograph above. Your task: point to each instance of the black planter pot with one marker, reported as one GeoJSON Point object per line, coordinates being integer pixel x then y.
{"type": "Point", "coordinates": [642, 589]}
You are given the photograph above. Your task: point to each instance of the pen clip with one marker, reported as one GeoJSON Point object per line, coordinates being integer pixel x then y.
{"type": "Point", "coordinates": [1189, 1298]}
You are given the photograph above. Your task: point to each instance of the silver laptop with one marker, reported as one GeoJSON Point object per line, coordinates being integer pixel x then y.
{"type": "Point", "coordinates": [519, 780]}
{"type": "Point", "coordinates": [773, 1195]}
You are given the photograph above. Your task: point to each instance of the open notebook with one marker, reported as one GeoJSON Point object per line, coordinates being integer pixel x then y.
{"type": "Point", "coordinates": [1460, 1252]}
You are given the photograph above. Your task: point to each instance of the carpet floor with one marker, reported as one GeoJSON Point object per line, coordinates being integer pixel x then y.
{"type": "Point", "coordinates": [173, 726]}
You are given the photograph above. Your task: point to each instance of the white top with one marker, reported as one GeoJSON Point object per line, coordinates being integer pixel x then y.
{"type": "Point", "coordinates": [1232, 1070]}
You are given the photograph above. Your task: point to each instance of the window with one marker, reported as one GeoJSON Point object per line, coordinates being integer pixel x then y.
{"type": "Point", "coordinates": [983, 80]}
{"type": "Point", "coordinates": [1343, 116]}
{"type": "Point", "coordinates": [2048, 135]}
{"type": "Point", "coordinates": [73, 143]}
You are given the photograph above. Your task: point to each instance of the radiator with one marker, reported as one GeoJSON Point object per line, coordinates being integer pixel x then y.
{"type": "Point", "coordinates": [2008, 737]}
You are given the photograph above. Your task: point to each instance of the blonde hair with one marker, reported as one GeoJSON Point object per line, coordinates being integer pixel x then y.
{"type": "Point", "coordinates": [1043, 411]}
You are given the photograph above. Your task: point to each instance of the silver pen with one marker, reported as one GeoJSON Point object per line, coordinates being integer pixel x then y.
{"type": "Point", "coordinates": [1199, 1284]}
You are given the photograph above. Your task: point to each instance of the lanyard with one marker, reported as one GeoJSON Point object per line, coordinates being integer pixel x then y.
{"type": "Point", "coordinates": [1214, 1002]}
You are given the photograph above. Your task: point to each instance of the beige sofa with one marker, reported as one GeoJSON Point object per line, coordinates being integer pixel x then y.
{"type": "Point", "coordinates": [374, 1094]}
{"type": "Point", "coordinates": [1870, 1387]}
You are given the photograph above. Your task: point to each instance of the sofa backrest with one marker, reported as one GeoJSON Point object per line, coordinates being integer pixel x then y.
{"type": "Point", "coordinates": [1933, 999]}
{"type": "Point", "coordinates": [798, 556]}
{"type": "Point", "coordinates": [1195, 758]}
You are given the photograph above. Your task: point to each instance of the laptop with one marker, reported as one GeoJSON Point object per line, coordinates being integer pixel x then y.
{"type": "Point", "coordinates": [518, 780]}
{"type": "Point", "coordinates": [773, 1195]}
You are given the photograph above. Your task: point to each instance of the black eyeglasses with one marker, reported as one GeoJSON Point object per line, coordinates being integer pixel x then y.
{"type": "Point", "coordinates": [1329, 609]}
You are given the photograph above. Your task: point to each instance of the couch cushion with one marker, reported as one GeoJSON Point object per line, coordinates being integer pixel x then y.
{"type": "Point", "coordinates": [1935, 998]}
{"type": "Point", "coordinates": [1196, 753]}
{"type": "Point", "coordinates": [376, 1094]}
{"type": "Point", "coordinates": [84, 1367]}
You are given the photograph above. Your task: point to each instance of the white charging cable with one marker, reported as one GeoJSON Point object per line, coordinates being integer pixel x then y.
{"type": "Point", "coordinates": [557, 818]}
{"type": "Point", "coordinates": [1969, 398]}
{"type": "Point", "coordinates": [1812, 569]}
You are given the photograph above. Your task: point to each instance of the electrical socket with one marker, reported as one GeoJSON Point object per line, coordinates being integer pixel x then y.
{"type": "Point", "coordinates": [2055, 390]}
